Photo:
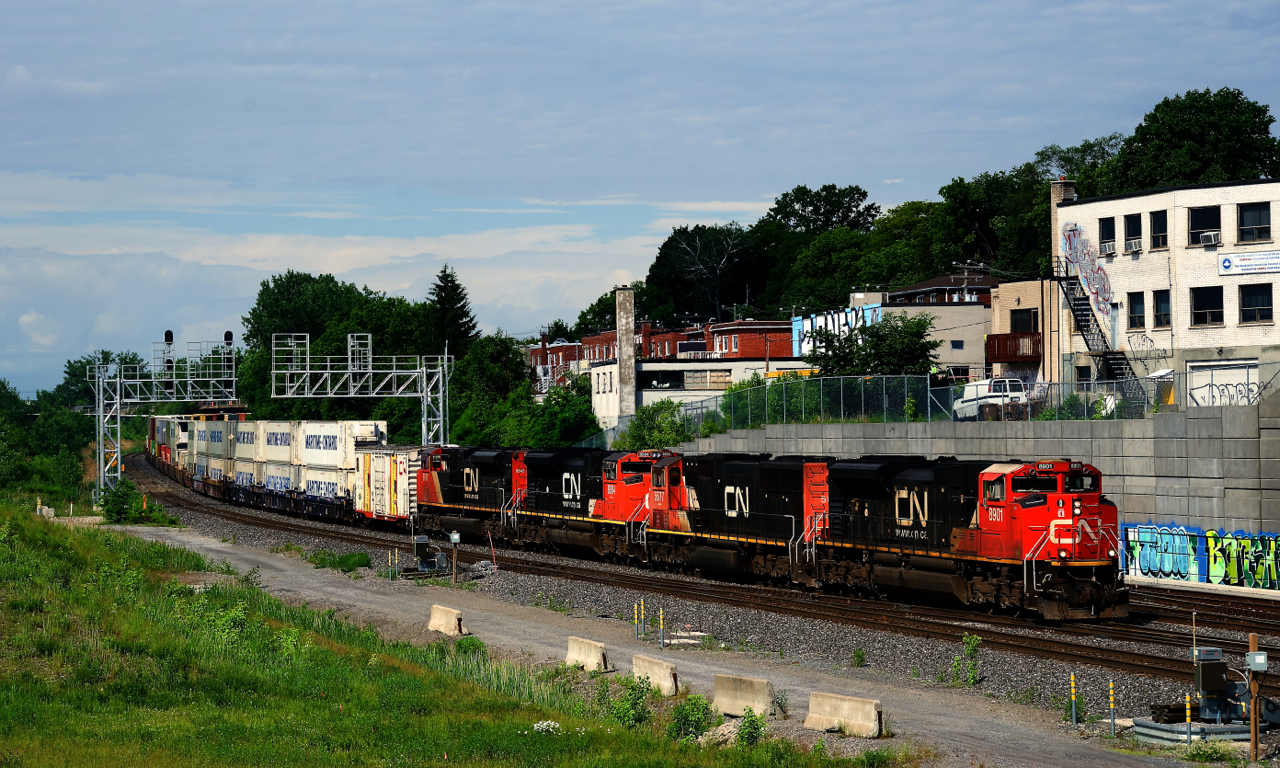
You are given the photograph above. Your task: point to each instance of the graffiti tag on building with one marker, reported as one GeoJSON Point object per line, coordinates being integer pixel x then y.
{"type": "Point", "coordinates": [1177, 553]}
{"type": "Point", "coordinates": [1081, 254]}
{"type": "Point", "coordinates": [1242, 560]}
{"type": "Point", "coordinates": [1239, 393]}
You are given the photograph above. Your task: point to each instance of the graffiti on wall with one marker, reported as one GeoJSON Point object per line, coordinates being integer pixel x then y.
{"type": "Point", "coordinates": [1081, 254]}
{"type": "Point", "coordinates": [1177, 553]}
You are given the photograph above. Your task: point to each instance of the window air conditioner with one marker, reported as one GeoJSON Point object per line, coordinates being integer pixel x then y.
{"type": "Point", "coordinates": [1107, 248]}
{"type": "Point", "coordinates": [1210, 238]}
{"type": "Point", "coordinates": [1133, 245]}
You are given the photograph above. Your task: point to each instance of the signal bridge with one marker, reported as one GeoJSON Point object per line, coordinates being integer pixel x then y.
{"type": "Point", "coordinates": [207, 372]}
{"type": "Point", "coordinates": [296, 373]}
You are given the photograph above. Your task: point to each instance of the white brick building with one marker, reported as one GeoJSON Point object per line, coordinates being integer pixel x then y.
{"type": "Point", "coordinates": [1181, 278]}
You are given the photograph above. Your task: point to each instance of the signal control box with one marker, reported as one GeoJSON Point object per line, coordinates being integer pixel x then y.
{"type": "Point", "coordinates": [1200, 655]}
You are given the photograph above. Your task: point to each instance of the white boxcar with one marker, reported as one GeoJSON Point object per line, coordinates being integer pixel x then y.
{"type": "Point", "coordinates": [279, 477]}
{"type": "Point", "coordinates": [275, 442]}
{"type": "Point", "coordinates": [246, 473]}
{"type": "Point", "coordinates": [333, 443]}
{"type": "Point", "coordinates": [246, 440]}
{"type": "Point", "coordinates": [386, 480]}
{"type": "Point", "coordinates": [326, 482]}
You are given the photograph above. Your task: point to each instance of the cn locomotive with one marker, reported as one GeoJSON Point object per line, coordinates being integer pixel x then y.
{"type": "Point", "coordinates": [1020, 536]}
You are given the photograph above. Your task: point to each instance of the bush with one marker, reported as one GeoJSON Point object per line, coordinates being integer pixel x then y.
{"type": "Point", "coordinates": [631, 709]}
{"type": "Point", "coordinates": [470, 646]}
{"type": "Point", "coordinates": [323, 558]}
{"type": "Point", "coordinates": [752, 729]}
{"type": "Point", "coordinates": [124, 505]}
{"type": "Point", "coordinates": [690, 719]}
{"type": "Point", "coordinates": [1209, 752]}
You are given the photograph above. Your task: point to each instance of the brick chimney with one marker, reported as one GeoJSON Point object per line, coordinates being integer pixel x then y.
{"type": "Point", "coordinates": [1059, 190]}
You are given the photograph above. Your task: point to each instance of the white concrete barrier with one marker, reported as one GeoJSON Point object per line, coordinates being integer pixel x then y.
{"type": "Point", "coordinates": [661, 674]}
{"type": "Point", "coordinates": [735, 694]}
{"type": "Point", "coordinates": [833, 712]}
{"type": "Point", "coordinates": [587, 654]}
{"type": "Point", "coordinates": [447, 621]}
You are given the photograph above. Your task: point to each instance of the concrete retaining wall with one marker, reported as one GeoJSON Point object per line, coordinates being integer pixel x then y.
{"type": "Point", "coordinates": [661, 674]}
{"type": "Point", "coordinates": [1212, 468]}
{"type": "Point", "coordinates": [735, 694]}
{"type": "Point", "coordinates": [587, 654]}
{"type": "Point", "coordinates": [833, 712]}
{"type": "Point", "coordinates": [447, 621]}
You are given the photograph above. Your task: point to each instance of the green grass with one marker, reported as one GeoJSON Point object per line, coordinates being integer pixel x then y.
{"type": "Point", "coordinates": [323, 558]}
{"type": "Point", "coordinates": [108, 660]}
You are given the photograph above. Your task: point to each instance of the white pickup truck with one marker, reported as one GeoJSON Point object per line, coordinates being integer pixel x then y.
{"type": "Point", "coordinates": [988, 391]}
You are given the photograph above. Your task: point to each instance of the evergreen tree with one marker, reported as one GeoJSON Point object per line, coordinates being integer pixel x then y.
{"type": "Point", "coordinates": [449, 316]}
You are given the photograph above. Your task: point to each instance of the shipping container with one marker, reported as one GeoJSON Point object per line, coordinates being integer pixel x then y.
{"type": "Point", "coordinates": [209, 468]}
{"type": "Point", "coordinates": [279, 477]}
{"type": "Point", "coordinates": [333, 443]}
{"type": "Point", "coordinates": [246, 441]}
{"type": "Point", "coordinates": [326, 482]}
{"type": "Point", "coordinates": [217, 438]}
{"type": "Point", "coordinates": [275, 442]}
{"type": "Point", "coordinates": [246, 473]}
{"type": "Point", "coordinates": [386, 479]}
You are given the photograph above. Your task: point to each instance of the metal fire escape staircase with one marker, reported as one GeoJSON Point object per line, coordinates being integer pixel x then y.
{"type": "Point", "coordinates": [1115, 364]}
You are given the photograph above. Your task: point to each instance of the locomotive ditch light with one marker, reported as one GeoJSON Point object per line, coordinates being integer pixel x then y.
{"type": "Point", "coordinates": [1111, 553]}
{"type": "Point", "coordinates": [1062, 554]}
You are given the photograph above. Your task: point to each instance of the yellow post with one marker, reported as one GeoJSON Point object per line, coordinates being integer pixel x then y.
{"type": "Point", "coordinates": [662, 634]}
{"type": "Point", "coordinates": [1112, 685]}
{"type": "Point", "coordinates": [635, 617]}
{"type": "Point", "coordinates": [1188, 718]}
{"type": "Point", "coordinates": [643, 631]}
{"type": "Point", "coordinates": [1073, 699]}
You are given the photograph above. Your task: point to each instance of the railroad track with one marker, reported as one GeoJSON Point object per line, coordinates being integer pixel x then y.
{"type": "Point", "coordinates": [944, 624]}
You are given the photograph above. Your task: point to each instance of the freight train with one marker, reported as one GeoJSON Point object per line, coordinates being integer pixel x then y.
{"type": "Point", "coordinates": [1035, 537]}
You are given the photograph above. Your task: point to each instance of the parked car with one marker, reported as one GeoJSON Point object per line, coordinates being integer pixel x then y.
{"type": "Point", "coordinates": [987, 392]}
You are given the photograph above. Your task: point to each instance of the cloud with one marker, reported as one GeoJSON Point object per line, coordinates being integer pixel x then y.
{"type": "Point", "coordinates": [31, 323]}
{"type": "Point", "coordinates": [20, 78]}
{"type": "Point", "coordinates": [893, 181]}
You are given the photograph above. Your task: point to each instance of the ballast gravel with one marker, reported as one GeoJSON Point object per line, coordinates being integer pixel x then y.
{"type": "Point", "coordinates": [828, 646]}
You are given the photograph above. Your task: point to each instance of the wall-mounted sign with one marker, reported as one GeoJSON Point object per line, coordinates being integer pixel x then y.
{"type": "Point", "coordinates": [1248, 263]}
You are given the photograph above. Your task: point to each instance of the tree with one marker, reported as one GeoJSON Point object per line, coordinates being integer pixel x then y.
{"type": "Point", "coordinates": [559, 329]}
{"type": "Point", "coordinates": [449, 315]}
{"type": "Point", "coordinates": [896, 345]}
{"type": "Point", "coordinates": [298, 302]}
{"type": "Point", "coordinates": [829, 207]}
{"type": "Point", "coordinates": [1198, 137]}
{"type": "Point", "coordinates": [824, 273]}
{"type": "Point", "coordinates": [482, 383]}
{"type": "Point", "coordinates": [705, 258]}
{"type": "Point", "coordinates": [659, 425]}
{"type": "Point", "coordinates": [1088, 163]}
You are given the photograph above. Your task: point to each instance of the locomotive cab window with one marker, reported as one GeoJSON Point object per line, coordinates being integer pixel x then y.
{"type": "Point", "coordinates": [1082, 483]}
{"type": "Point", "coordinates": [1035, 484]}
{"type": "Point", "coordinates": [611, 470]}
{"type": "Point", "coordinates": [636, 467]}
{"type": "Point", "coordinates": [994, 490]}
{"type": "Point", "coordinates": [673, 474]}
{"type": "Point", "coordinates": [659, 478]}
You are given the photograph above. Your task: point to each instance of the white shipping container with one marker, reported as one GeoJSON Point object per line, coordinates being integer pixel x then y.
{"type": "Point", "coordinates": [275, 441]}
{"type": "Point", "coordinates": [218, 437]}
{"type": "Point", "coordinates": [325, 482]}
{"type": "Point", "coordinates": [246, 440]}
{"type": "Point", "coordinates": [210, 468]}
{"type": "Point", "coordinates": [246, 473]}
{"type": "Point", "coordinates": [333, 443]}
{"type": "Point", "coordinates": [385, 480]}
{"type": "Point", "coordinates": [279, 477]}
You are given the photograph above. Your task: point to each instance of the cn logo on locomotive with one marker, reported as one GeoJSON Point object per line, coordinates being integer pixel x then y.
{"type": "Point", "coordinates": [737, 499]}
{"type": "Point", "coordinates": [571, 485]}
{"type": "Point", "coordinates": [470, 479]}
{"type": "Point", "coordinates": [914, 507]}
{"type": "Point", "coordinates": [1073, 533]}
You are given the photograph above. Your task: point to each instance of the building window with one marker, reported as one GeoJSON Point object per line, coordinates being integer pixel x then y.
{"type": "Point", "coordinates": [610, 381]}
{"type": "Point", "coordinates": [1206, 305]}
{"type": "Point", "coordinates": [1159, 229]}
{"type": "Point", "coordinates": [1133, 232]}
{"type": "Point", "coordinates": [1255, 303]}
{"type": "Point", "coordinates": [957, 343]}
{"type": "Point", "coordinates": [1255, 222]}
{"type": "Point", "coordinates": [1084, 373]}
{"type": "Point", "coordinates": [1163, 316]}
{"type": "Point", "coordinates": [1107, 230]}
{"type": "Point", "coordinates": [920, 299]}
{"type": "Point", "coordinates": [1024, 321]}
{"type": "Point", "coordinates": [933, 297]}
{"type": "Point", "coordinates": [735, 342]}
{"type": "Point", "coordinates": [1202, 221]}
{"type": "Point", "coordinates": [1137, 310]}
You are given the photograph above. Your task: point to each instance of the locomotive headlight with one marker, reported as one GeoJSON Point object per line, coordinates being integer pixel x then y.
{"type": "Point", "coordinates": [1111, 553]}
{"type": "Point", "coordinates": [1062, 554]}
{"type": "Point", "coordinates": [1075, 507]}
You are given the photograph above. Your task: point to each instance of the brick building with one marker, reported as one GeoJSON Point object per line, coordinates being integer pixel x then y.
{"type": "Point", "coordinates": [553, 363]}
{"type": "Point", "coordinates": [759, 339]}
{"type": "Point", "coordinates": [1179, 279]}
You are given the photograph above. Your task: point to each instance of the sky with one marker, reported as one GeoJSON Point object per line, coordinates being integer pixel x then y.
{"type": "Point", "coordinates": [159, 160]}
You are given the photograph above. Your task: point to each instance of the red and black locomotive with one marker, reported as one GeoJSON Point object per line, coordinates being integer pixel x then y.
{"type": "Point", "coordinates": [1036, 536]}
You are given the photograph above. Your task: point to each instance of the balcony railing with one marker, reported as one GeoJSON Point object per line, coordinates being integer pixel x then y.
{"type": "Point", "coordinates": [1013, 348]}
